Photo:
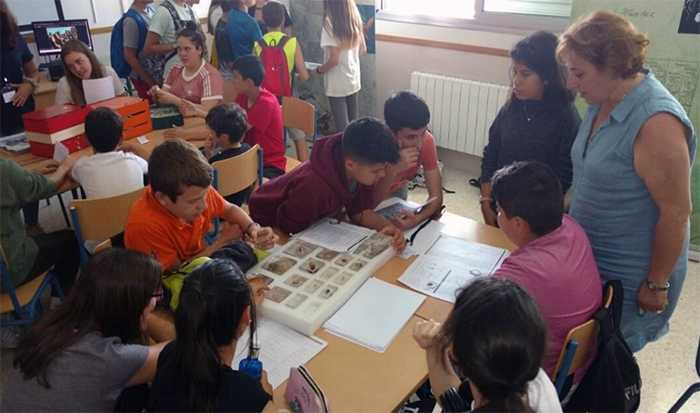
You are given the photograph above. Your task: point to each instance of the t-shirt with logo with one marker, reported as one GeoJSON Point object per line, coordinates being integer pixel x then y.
{"type": "Point", "coordinates": [205, 84]}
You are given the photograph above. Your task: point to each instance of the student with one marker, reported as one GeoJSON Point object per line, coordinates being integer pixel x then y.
{"type": "Point", "coordinates": [538, 122]}
{"type": "Point", "coordinates": [109, 172]}
{"type": "Point", "coordinates": [195, 371]}
{"type": "Point", "coordinates": [273, 16]}
{"type": "Point", "coordinates": [343, 42]}
{"type": "Point", "coordinates": [81, 355]}
{"type": "Point", "coordinates": [264, 114]}
{"type": "Point", "coordinates": [176, 209]}
{"type": "Point", "coordinates": [336, 181]}
{"type": "Point", "coordinates": [407, 115]}
{"type": "Point", "coordinates": [214, 15]}
{"type": "Point", "coordinates": [242, 29]}
{"type": "Point", "coordinates": [554, 261]}
{"type": "Point", "coordinates": [224, 52]}
{"type": "Point", "coordinates": [227, 124]}
{"type": "Point", "coordinates": [495, 335]}
{"type": "Point", "coordinates": [28, 257]}
{"type": "Point", "coordinates": [193, 80]}
{"type": "Point", "coordinates": [134, 52]}
{"type": "Point", "coordinates": [255, 11]}
{"type": "Point", "coordinates": [80, 63]}
{"type": "Point", "coordinates": [161, 40]}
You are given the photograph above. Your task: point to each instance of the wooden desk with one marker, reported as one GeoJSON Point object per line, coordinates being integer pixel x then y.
{"type": "Point", "coordinates": [456, 226]}
{"type": "Point", "coordinates": [46, 95]}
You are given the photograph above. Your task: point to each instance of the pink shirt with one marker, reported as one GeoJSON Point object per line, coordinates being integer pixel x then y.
{"type": "Point", "coordinates": [559, 271]}
{"type": "Point", "coordinates": [428, 159]}
{"type": "Point", "coordinates": [206, 84]}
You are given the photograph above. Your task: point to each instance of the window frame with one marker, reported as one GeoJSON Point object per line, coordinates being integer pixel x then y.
{"type": "Point", "coordinates": [27, 28]}
{"type": "Point", "coordinates": [498, 22]}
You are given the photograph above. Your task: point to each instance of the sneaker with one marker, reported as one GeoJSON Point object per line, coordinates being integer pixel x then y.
{"type": "Point", "coordinates": [9, 337]}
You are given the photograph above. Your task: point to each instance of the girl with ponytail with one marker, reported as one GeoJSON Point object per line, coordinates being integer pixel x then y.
{"type": "Point", "coordinates": [496, 337]}
{"type": "Point", "coordinates": [194, 372]}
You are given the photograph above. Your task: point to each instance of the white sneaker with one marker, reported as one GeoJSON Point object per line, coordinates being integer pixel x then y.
{"type": "Point", "coordinates": [9, 337]}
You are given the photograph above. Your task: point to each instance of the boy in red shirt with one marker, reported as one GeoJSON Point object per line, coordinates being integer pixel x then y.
{"type": "Point", "coordinates": [335, 182]}
{"type": "Point", "coordinates": [176, 209]}
{"type": "Point", "coordinates": [407, 115]}
{"type": "Point", "coordinates": [265, 125]}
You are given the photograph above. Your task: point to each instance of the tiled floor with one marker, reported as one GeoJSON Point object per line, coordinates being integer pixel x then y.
{"type": "Point", "coordinates": [668, 366]}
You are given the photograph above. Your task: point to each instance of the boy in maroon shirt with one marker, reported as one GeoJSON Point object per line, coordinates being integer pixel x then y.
{"type": "Point", "coordinates": [265, 125]}
{"type": "Point", "coordinates": [337, 180]}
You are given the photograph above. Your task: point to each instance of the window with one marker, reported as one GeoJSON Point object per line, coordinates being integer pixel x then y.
{"type": "Point", "coordinates": [490, 15]}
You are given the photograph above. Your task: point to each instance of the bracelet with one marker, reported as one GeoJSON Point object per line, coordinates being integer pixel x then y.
{"type": "Point", "coordinates": [483, 199]}
{"type": "Point", "coordinates": [248, 227]}
{"type": "Point", "coordinates": [318, 72]}
{"type": "Point", "coordinates": [655, 287]}
{"type": "Point", "coordinates": [34, 83]}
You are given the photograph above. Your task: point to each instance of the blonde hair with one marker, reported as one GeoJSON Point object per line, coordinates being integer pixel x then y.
{"type": "Point", "coordinates": [75, 83]}
{"type": "Point", "coordinates": [609, 41]}
{"type": "Point", "coordinates": [343, 20]}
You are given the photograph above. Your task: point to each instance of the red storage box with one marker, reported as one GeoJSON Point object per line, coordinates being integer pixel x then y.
{"type": "Point", "coordinates": [135, 112]}
{"type": "Point", "coordinates": [53, 119]}
{"type": "Point", "coordinates": [46, 150]}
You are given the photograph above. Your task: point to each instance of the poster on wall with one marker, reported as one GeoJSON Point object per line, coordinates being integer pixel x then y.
{"type": "Point", "coordinates": [367, 13]}
{"type": "Point", "coordinates": [673, 28]}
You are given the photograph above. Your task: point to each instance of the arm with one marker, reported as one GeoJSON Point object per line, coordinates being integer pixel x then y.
{"type": "Point", "coordinates": [152, 45]}
{"type": "Point", "coordinates": [562, 163]}
{"type": "Point", "coordinates": [661, 160]}
{"type": "Point", "coordinates": [148, 371]}
{"type": "Point", "coordinates": [407, 219]}
{"type": "Point", "coordinates": [370, 219]}
{"type": "Point", "coordinates": [300, 64]}
{"type": "Point", "coordinates": [131, 57]}
{"type": "Point", "coordinates": [25, 89]}
{"type": "Point", "coordinates": [188, 108]}
{"type": "Point", "coordinates": [133, 146]}
{"type": "Point", "coordinates": [333, 61]}
{"type": "Point", "coordinates": [440, 373]}
{"type": "Point", "coordinates": [489, 163]}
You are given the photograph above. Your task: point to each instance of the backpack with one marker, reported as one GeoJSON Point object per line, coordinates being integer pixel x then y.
{"type": "Point", "coordinates": [613, 382]}
{"type": "Point", "coordinates": [276, 79]}
{"type": "Point", "coordinates": [116, 53]}
{"type": "Point", "coordinates": [156, 63]}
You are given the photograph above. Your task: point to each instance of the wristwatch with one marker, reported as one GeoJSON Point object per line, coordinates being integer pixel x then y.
{"type": "Point", "coordinates": [654, 287]}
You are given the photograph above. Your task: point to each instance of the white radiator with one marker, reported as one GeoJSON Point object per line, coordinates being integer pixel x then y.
{"type": "Point", "coordinates": [461, 111]}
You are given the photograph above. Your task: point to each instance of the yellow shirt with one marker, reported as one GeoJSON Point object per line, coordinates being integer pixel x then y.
{"type": "Point", "coordinates": [290, 48]}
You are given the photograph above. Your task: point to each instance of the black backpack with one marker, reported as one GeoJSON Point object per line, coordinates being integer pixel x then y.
{"type": "Point", "coordinates": [613, 382]}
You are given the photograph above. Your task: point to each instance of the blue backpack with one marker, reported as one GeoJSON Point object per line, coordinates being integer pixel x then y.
{"type": "Point", "coordinates": [116, 54]}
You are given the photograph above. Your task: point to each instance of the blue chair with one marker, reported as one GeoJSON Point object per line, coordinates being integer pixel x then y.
{"type": "Point", "coordinates": [236, 174]}
{"type": "Point", "coordinates": [580, 343]}
{"type": "Point", "coordinates": [100, 219]}
{"type": "Point", "coordinates": [24, 302]}
{"type": "Point", "coordinates": [694, 388]}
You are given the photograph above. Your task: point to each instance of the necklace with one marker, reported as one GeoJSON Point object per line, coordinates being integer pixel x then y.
{"type": "Point", "coordinates": [529, 118]}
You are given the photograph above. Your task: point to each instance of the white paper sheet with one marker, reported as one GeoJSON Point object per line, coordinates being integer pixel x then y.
{"type": "Point", "coordinates": [375, 315]}
{"type": "Point", "coordinates": [60, 152]}
{"type": "Point", "coordinates": [14, 143]}
{"type": "Point", "coordinates": [98, 89]}
{"type": "Point", "coordinates": [389, 208]}
{"type": "Point", "coordinates": [281, 348]}
{"type": "Point", "coordinates": [423, 240]}
{"type": "Point", "coordinates": [449, 264]}
{"type": "Point", "coordinates": [334, 235]}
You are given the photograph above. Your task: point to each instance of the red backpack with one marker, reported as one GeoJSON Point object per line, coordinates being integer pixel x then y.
{"type": "Point", "coordinates": [276, 79]}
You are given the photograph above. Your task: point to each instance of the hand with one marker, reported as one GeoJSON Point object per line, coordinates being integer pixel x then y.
{"type": "Point", "coordinates": [259, 288]}
{"type": "Point", "coordinates": [67, 163]}
{"type": "Point", "coordinates": [176, 132]}
{"type": "Point", "coordinates": [426, 334]}
{"type": "Point", "coordinates": [490, 216]}
{"type": "Point", "coordinates": [398, 241]}
{"type": "Point", "coordinates": [405, 219]}
{"type": "Point", "coordinates": [409, 159]}
{"type": "Point", "coordinates": [51, 167]}
{"type": "Point", "coordinates": [230, 233]}
{"type": "Point", "coordinates": [263, 238]}
{"type": "Point", "coordinates": [188, 108]}
{"type": "Point", "coordinates": [265, 384]}
{"type": "Point", "coordinates": [209, 147]}
{"type": "Point", "coordinates": [24, 90]}
{"type": "Point", "coordinates": [155, 93]}
{"type": "Point", "coordinates": [651, 301]}
{"type": "Point", "coordinates": [128, 146]}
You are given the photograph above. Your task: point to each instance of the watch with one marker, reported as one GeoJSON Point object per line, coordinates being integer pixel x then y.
{"type": "Point", "coordinates": [654, 287]}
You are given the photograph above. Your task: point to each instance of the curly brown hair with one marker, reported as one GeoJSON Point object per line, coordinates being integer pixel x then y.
{"type": "Point", "coordinates": [609, 41]}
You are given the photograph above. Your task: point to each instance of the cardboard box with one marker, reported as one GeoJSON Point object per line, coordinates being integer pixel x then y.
{"type": "Point", "coordinates": [59, 136]}
{"type": "Point", "coordinates": [73, 144]}
{"type": "Point", "coordinates": [54, 119]}
{"type": "Point", "coordinates": [134, 111]}
{"type": "Point", "coordinates": [166, 116]}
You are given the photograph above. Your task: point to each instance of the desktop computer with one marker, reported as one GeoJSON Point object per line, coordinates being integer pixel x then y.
{"type": "Point", "coordinates": [52, 35]}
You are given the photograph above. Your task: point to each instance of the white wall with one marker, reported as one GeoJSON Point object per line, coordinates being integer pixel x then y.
{"type": "Point", "coordinates": [396, 61]}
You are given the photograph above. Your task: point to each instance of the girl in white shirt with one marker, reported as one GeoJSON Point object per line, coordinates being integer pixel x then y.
{"type": "Point", "coordinates": [80, 63]}
{"type": "Point", "coordinates": [343, 42]}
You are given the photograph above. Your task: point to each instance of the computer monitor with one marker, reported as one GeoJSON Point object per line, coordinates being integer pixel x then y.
{"type": "Point", "coordinates": [51, 36]}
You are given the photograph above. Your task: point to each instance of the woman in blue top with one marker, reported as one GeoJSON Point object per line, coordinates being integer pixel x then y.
{"type": "Point", "coordinates": [631, 161]}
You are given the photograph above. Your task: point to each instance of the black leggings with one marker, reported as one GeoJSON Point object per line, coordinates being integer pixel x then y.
{"type": "Point", "coordinates": [58, 250]}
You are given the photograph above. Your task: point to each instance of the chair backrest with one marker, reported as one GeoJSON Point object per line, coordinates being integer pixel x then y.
{"type": "Point", "coordinates": [6, 281]}
{"type": "Point", "coordinates": [102, 218]}
{"type": "Point", "coordinates": [240, 172]}
{"type": "Point", "coordinates": [299, 114]}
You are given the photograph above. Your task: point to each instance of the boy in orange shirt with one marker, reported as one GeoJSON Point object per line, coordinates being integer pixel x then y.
{"type": "Point", "coordinates": [176, 209]}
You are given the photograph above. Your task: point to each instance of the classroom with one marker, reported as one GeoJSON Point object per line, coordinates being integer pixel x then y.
{"type": "Point", "coordinates": [350, 205]}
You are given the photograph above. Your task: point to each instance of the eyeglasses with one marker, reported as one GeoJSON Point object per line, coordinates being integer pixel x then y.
{"type": "Point", "coordinates": [158, 295]}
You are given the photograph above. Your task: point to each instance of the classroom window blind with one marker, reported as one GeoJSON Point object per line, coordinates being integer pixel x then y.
{"type": "Point", "coordinates": [551, 8]}
{"type": "Point", "coordinates": [463, 9]}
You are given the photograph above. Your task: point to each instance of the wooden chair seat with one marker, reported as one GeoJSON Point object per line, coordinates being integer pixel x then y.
{"type": "Point", "coordinates": [25, 293]}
